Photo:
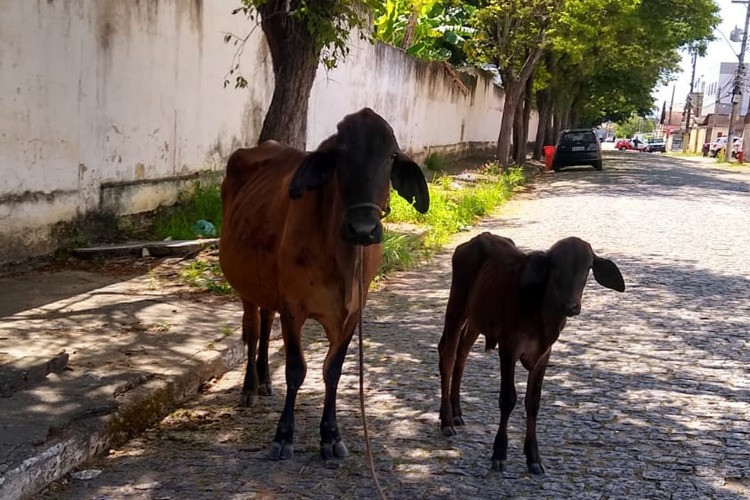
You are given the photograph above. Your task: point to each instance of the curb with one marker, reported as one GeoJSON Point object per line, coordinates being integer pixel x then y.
{"type": "Point", "coordinates": [135, 411]}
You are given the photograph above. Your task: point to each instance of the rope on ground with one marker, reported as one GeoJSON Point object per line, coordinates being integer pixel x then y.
{"type": "Point", "coordinates": [368, 450]}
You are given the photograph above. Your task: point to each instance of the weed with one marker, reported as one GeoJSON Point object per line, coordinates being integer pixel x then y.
{"type": "Point", "coordinates": [204, 273]}
{"type": "Point", "coordinates": [434, 162]}
{"type": "Point", "coordinates": [204, 202]}
{"type": "Point", "coordinates": [227, 330]}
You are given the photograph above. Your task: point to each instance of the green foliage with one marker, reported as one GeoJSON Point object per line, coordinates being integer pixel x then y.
{"type": "Point", "coordinates": [428, 29]}
{"type": "Point", "coordinates": [203, 202]}
{"type": "Point", "coordinates": [508, 31]}
{"type": "Point", "coordinates": [205, 274]}
{"type": "Point", "coordinates": [610, 54]}
{"type": "Point", "coordinates": [328, 23]}
{"type": "Point", "coordinates": [633, 125]}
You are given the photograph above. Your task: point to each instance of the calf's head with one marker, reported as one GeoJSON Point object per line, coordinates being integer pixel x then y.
{"type": "Point", "coordinates": [365, 158]}
{"type": "Point", "coordinates": [561, 273]}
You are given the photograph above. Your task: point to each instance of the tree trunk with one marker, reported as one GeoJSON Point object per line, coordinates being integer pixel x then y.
{"type": "Point", "coordinates": [518, 131]}
{"type": "Point", "coordinates": [295, 63]}
{"type": "Point", "coordinates": [512, 94]}
{"type": "Point", "coordinates": [543, 107]}
{"type": "Point", "coordinates": [527, 98]}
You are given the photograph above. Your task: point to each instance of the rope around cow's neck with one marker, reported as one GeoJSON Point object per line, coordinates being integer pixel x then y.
{"type": "Point", "coordinates": [368, 450]}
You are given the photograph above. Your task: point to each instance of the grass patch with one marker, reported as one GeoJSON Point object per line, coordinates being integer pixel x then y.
{"type": "Point", "coordinates": [177, 222]}
{"type": "Point", "coordinates": [456, 204]}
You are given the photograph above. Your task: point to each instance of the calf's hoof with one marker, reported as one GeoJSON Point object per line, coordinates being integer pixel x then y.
{"type": "Point", "coordinates": [537, 469]}
{"type": "Point", "coordinates": [498, 465]}
{"type": "Point", "coordinates": [281, 451]}
{"type": "Point", "coordinates": [448, 431]}
{"type": "Point", "coordinates": [332, 451]}
{"type": "Point", "coordinates": [247, 399]}
{"type": "Point", "coordinates": [265, 389]}
{"type": "Point", "coordinates": [458, 421]}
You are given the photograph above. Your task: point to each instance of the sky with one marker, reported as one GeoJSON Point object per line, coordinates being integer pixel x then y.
{"type": "Point", "coordinates": [720, 50]}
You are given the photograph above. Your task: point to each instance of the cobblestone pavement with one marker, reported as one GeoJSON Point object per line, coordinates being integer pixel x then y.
{"type": "Point", "coordinates": [647, 394]}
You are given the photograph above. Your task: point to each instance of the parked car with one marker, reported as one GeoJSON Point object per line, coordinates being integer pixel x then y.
{"type": "Point", "coordinates": [577, 147]}
{"type": "Point", "coordinates": [720, 143]}
{"type": "Point", "coordinates": [654, 145]}
{"type": "Point", "coordinates": [630, 144]}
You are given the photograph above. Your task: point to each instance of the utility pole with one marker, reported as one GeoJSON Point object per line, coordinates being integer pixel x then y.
{"type": "Point", "coordinates": [689, 104]}
{"type": "Point", "coordinates": [739, 77]}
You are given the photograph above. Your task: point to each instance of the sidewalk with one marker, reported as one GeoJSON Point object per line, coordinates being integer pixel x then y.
{"type": "Point", "coordinates": [91, 354]}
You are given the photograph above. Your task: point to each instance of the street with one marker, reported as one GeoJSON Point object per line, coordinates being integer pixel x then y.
{"type": "Point", "coordinates": [647, 394]}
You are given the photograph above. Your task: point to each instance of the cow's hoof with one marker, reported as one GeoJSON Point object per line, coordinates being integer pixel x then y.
{"type": "Point", "coordinates": [498, 465]}
{"type": "Point", "coordinates": [459, 421]}
{"type": "Point", "coordinates": [448, 431]}
{"type": "Point", "coordinates": [333, 451]}
{"type": "Point", "coordinates": [281, 451]}
{"type": "Point", "coordinates": [265, 389]}
{"type": "Point", "coordinates": [536, 469]}
{"type": "Point", "coordinates": [248, 400]}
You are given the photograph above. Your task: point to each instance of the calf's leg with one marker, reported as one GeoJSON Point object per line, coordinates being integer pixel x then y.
{"type": "Point", "coordinates": [250, 333]}
{"type": "Point", "coordinates": [468, 337]}
{"type": "Point", "coordinates": [331, 444]}
{"type": "Point", "coordinates": [533, 399]}
{"type": "Point", "coordinates": [507, 403]}
{"type": "Point", "coordinates": [282, 447]}
{"type": "Point", "coordinates": [447, 349]}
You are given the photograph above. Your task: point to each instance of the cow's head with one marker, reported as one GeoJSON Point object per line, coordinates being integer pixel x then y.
{"type": "Point", "coordinates": [562, 272]}
{"type": "Point", "coordinates": [365, 158]}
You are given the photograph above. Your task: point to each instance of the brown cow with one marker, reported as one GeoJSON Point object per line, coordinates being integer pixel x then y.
{"type": "Point", "coordinates": [292, 221]}
{"type": "Point", "coordinates": [520, 302]}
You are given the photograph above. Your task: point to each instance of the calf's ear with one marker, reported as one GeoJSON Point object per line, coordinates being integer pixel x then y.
{"type": "Point", "coordinates": [535, 273]}
{"type": "Point", "coordinates": [607, 274]}
{"type": "Point", "coordinates": [409, 183]}
{"type": "Point", "coordinates": [315, 170]}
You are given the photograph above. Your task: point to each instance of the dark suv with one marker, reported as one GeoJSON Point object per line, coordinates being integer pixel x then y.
{"type": "Point", "coordinates": [577, 147]}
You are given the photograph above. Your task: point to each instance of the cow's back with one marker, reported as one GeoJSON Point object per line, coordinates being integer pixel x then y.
{"type": "Point", "coordinates": [255, 204]}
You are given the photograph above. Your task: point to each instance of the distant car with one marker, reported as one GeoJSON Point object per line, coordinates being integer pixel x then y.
{"type": "Point", "coordinates": [630, 144]}
{"type": "Point", "coordinates": [577, 147]}
{"type": "Point", "coordinates": [654, 145]}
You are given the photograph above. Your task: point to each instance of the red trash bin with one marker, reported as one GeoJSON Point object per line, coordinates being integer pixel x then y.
{"type": "Point", "coordinates": [549, 155]}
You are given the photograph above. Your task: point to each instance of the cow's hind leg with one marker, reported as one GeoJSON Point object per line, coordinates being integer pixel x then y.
{"type": "Point", "coordinates": [468, 337]}
{"type": "Point", "coordinates": [507, 403]}
{"type": "Point", "coordinates": [331, 444]}
{"type": "Point", "coordinates": [264, 375]}
{"type": "Point", "coordinates": [282, 447]}
{"type": "Point", "coordinates": [533, 398]}
{"type": "Point", "coordinates": [250, 333]}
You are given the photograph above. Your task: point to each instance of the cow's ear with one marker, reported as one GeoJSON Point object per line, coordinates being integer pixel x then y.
{"type": "Point", "coordinates": [535, 273]}
{"type": "Point", "coordinates": [409, 182]}
{"type": "Point", "coordinates": [606, 273]}
{"type": "Point", "coordinates": [314, 171]}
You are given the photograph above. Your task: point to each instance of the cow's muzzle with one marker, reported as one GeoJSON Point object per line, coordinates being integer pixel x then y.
{"type": "Point", "coordinates": [362, 224]}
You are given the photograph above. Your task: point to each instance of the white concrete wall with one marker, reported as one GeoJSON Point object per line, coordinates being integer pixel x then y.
{"type": "Point", "coordinates": [112, 105]}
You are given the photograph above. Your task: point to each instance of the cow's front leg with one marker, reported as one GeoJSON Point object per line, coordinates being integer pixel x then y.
{"type": "Point", "coordinates": [533, 399]}
{"type": "Point", "coordinates": [282, 447]}
{"type": "Point", "coordinates": [448, 350]}
{"type": "Point", "coordinates": [507, 403]}
{"type": "Point", "coordinates": [331, 444]}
